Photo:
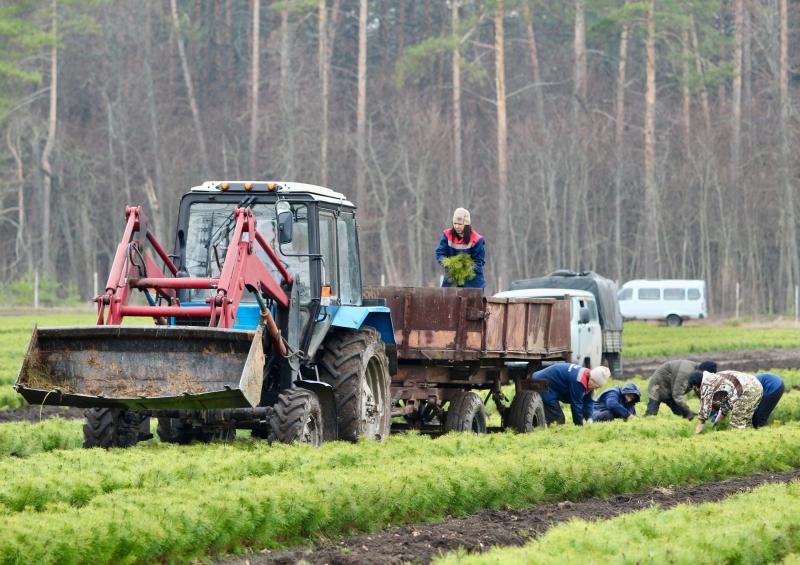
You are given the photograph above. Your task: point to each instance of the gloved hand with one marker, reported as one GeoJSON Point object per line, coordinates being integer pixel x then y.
{"type": "Point", "coordinates": [700, 427]}
{"type": "Point", "coordinates": [589, 421]}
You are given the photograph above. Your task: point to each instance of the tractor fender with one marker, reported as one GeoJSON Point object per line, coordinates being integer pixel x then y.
{"type": "Point", "coordinates": [324, 393]}
{"type": "Point", "coordinates": [378, 317]}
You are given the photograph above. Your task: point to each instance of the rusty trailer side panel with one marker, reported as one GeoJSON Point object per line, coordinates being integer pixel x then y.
{"type": "Point", "coordinates": [459, 324]}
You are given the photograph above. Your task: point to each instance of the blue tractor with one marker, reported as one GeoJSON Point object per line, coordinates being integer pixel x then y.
{"type": "Point", "coordinates": [260, 324]}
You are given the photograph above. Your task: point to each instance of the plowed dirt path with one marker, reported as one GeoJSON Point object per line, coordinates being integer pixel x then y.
{"type": "Point", "coordinates": [420, 543]}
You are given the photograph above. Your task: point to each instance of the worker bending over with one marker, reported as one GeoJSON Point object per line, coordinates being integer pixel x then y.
{"type": "Point", "coordinates": [573, 385]}
{"type": "Point", "coordinates": [773, 391]}
{"type": "Point", "coordinates": [669, 384]}
{"type": "Point", "coordinates": [617, 403]}
{"type": "Point", "coordinates": [726, 394]}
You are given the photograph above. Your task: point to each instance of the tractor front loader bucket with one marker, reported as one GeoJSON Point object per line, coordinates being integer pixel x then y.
{"type": "Point", "coordinates": [143, 368]}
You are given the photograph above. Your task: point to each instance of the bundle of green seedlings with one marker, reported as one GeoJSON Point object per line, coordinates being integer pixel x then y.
{"type": "Point", "coordinates": [342, 488]}
{"type": "Point", "coordinates": [759, 526]}
{"type": "Point", "coordinates": [459, 268]}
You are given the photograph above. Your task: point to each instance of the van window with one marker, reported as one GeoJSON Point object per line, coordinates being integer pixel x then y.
{"type": "Point", "coordinates": [674, 294]}
{"type": "Point", "coordinates": [694, 294]}
{"type": "Point", "coordinates": [649, 294]}
{"type": "Point", "coordinates": [592, 311]}
{"type": "Point", "coordinates": [625, 294]}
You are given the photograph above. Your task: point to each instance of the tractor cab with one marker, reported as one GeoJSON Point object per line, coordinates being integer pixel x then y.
{"type": "Point", "coordinates": [311, 229]}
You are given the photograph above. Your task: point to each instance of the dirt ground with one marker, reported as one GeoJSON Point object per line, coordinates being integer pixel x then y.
{"type": "Point", "coordinates": [745, 360]}
{"type": "Point", "coordinates": [36, 413]}
{"type": "Point", "coordinates": [420, 543]}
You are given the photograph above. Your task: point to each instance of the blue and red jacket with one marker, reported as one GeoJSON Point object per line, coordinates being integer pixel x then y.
{"type": "Point", "coordinates": [450, 246]}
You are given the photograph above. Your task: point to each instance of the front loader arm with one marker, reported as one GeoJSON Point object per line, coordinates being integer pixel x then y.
{"type": "Point", "coordinates": [133, 268]}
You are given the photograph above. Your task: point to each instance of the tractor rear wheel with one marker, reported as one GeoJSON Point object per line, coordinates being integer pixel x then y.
{"type": "Point", "coordinates": [355, 364]}
{"type": "Point", "coordinates": [111, 427]}
{"type": "Point", "coordinates": [526, 413]}
{"type": "Point", "coordinates": [297, 417]}
{"type": "Point", "coordinates": [466, 414]}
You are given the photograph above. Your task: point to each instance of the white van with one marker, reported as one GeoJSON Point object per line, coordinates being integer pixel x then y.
{"type": "Point", "coordinates": [671, 300]}
{"type": "Point", "coordinates": [586, 333]}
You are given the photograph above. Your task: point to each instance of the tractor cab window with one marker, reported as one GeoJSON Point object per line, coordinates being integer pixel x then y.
{"type": "Point", "coordinates": [350, 283]}
{"type": "Point", "coordinates": [329, 267]}
{"type": "Point", "coordinates": [208, 235]}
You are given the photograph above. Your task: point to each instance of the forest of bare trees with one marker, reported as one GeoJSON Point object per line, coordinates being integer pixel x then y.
{"type": "Point", "coordinates": [652, 138]}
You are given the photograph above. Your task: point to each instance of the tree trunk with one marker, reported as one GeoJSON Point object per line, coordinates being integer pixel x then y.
{"type": "Point", "coordinates": [650, 229]}
{"type": "Point", "coordinates": [327, 34]}
{"type": "Point", "coordinates": [47, 168]}
{"type": "Point", "coordinates": [287, 88]}
{"type": "Point", "coordinates": [19, 177]}
{"type": "Point", "coordinates": [361, 106]}
{"type": "Point", "coordinates": [457, 162]}
{"type": "Point", "coordinates": [255, 67]}
{"type": "Point", "coordinates": [789, 240]}
{"type": "Point", "coordinates": [736, 94]}
{"type": "Point", "coordinates": [579, 85]}
{"type": "Point", "coordinates": [701, 78]}
{"type": "Point", "coordinates": [686, 100]}
{"type": "Point", "coordinates": [155, 140]}
{"type": "Point", "coordinates": [619, 139]}
{"type": "Point", "coordinates": [534, 56]}
{"type": "Point", "coordinates": [503, 234]}
{"type": "Point", "coordinates": [187, 77]}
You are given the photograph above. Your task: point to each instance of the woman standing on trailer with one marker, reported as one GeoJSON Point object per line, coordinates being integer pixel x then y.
{"type": "Point", "coordinates": [461, 238]}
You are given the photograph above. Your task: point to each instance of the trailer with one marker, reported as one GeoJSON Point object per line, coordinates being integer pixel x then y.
{"type": "Point", "coordinates": [450, 342]}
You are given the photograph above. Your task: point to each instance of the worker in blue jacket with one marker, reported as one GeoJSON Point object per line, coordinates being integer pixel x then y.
{"type": "Point", "coordinates": [618, 402]}
{"type": "Point", "coordinates": [573, 385]}
{"type": "Point", "coordinates": [461, 238]}
{"type": "Point", "coordinates": [773, 391]}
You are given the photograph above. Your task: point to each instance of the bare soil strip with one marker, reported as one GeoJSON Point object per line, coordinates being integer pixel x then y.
{"type": "Point", "coordinates": [420, 543]}
{"type": "Point", "coordinates": [748, 360]}
{"type": "Point", "coordinates": [36, 413]}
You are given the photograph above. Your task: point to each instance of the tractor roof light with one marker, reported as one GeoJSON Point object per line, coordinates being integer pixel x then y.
{"type": "Point", "coordinates": [248, 186]}
{"type": "Point", "coordinates": [224, 186]}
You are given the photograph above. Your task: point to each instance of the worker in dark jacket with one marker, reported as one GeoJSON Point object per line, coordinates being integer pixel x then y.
{"type": "Point", "coordinates": [773, 391]}
{"type": "Point", "coordinates": [618, 402]}
{"type": "Point", "coordinates": [573, 385]}
{"type": "Point", "coordinates": [669, 385]}
{"type": "Point", "coordinates": [461, 238]}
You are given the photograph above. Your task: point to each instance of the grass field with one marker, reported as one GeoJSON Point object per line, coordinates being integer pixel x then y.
{"type": "Point", "coordinates": [168, 503]}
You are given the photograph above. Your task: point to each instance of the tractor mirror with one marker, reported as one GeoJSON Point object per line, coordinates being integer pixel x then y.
{"type": "Point", "coordinates": [283, 211]}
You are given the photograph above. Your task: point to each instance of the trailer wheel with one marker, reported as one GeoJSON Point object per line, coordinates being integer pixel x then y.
{"type": "Point", "coordinates": [111, 427]}
{"type": "Point", "coordinates": [526, 413]}
{"type": "Point", "coordinates": [356, 366]}
{"type": "Point", "coordinates": [297, 417]}
{"type": "Point", "coordinates": [466, 414]}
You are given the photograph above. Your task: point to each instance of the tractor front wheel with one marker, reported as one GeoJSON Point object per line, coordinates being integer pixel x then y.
{"type": "Point", "coordinates": [297, 417]}
{"type": "Point", "coordinates": [112, 427]}
{"type": "Point", "coordinates": [355, 364]}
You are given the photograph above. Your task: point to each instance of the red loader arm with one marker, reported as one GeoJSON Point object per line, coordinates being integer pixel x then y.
{"type": "Point", "coordinates": [133, 268]}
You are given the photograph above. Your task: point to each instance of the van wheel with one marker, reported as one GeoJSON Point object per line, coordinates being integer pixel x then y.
{"type": "Point", "coordinates": [673, 320]}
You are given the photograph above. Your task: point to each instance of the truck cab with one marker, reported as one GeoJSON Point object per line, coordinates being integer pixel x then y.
{"type": "Point", "coordinates": [586, 335]}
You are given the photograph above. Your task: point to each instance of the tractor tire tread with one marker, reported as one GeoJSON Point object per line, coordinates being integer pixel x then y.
{"type": "Point", "coordinates": [289, 414]}
{"type": "Point", "coordinates": [464, 409]}
{"type": "Point", "coordinates": [341, 366]}
{"type": "Point", "coordinates": [526, 413]}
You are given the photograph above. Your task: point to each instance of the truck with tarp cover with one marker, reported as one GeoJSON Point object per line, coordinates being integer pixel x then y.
{"type": "Point", "coordinates": [605, 291]}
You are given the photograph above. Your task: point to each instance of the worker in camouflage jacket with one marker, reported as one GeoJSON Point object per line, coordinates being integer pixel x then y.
{"type": "Point", "coordinates": [727, 394]}
{"type": "Point", "coordinates": [669, 385]}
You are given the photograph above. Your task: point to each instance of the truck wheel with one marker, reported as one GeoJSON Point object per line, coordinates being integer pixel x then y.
{"type": "Point", "coordinates": [673, 320]}
{"type": "Point", "coordinates": [111, 427]}
{"type": "Point", "coordinates": [297, 417]}
{"type": "Point", "coordinates": [526, 413]}
{"type": "Point", "coordinates": [173, 430]}
{"type": "Point", "coordinates": [356, 366]}
{"type": "Point", "coordinates": [614, 362]}
{"type": "Point", "coordinates": [466, 414]}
